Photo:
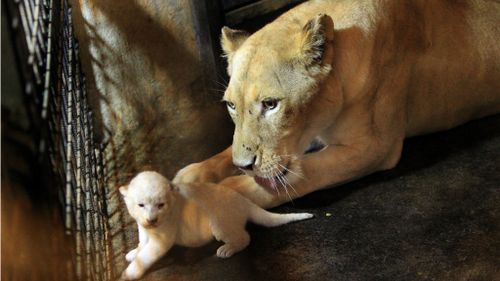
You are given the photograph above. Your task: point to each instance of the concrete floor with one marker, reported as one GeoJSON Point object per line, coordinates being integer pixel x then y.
{"type": "Point", "coordinates": [436, 216]}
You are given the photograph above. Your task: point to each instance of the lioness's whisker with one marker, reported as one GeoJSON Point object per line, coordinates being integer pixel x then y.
{"type": "Point", "coordinates": [275, 172]}
{"type": "Point", "coordinates": [282, 180]}
{"type": "Point", "coordinates": [286, 155]}
{"type": "Point", "coordinates": [217, 90]}
{"type": "Point", "coordinates": [273, 184]}
{"type": "Point", "coordinates": [221, 84]}
{"type": "Point", "coordinates": [292, 172]}
{"type": "Point", "coordinates": [290, 185]}
{"type": "Point", "coordinates": [221, 77]}
{"type": "Point", "coordinates": [293, 189]}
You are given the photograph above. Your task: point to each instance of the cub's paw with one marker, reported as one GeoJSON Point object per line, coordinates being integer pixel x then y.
{"type": "Point", "coordinates": [131, 255]}
{"type": "Point", "coordinates": [133, 272]}
{"type": "Point", "coordinates": [226, 251]}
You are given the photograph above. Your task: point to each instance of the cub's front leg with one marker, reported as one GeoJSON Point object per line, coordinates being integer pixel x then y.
{"type": "Point", "coordinates": [143, 239]}
{"type": "Point", "coordinates": [213, 169]}
{"type": "Point", "coordinates": [146, 256]}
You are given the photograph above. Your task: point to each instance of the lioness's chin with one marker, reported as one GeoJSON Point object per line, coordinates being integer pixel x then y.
{"type": "Point", "coordinates": [269, 183]}
{"type": "Point", "coordinates": [275, 184]}
{"type": "Point", "coordinates": [285, 176]}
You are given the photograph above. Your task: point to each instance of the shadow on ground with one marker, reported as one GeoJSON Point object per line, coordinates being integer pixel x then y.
{"type": "Point", "coordinates": [435, 216]}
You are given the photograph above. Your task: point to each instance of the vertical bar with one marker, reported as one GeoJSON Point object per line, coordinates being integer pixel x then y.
{"type": "Point", "coordinates": [101, 171]}
{"type": "Point", "coordinates": [31, 42]}
{"type": "Point", "coordinates": [48, 64]}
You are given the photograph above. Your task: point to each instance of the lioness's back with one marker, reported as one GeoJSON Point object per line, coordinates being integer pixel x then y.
{"type": "Point", "coordinates": [450, 48]}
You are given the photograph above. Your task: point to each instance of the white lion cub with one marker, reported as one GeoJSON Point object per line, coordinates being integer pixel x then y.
{"type": "Point", "coordinates": [189, 215]}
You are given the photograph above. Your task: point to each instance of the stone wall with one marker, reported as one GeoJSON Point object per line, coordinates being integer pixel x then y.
{"type": "Point", "coordinates": [146, 85]}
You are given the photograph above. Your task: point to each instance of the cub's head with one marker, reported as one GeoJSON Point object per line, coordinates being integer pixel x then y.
{"type": "Point", "coordinates": [275, 75]}
{"type": "Point", "coordinates": [149, 198]}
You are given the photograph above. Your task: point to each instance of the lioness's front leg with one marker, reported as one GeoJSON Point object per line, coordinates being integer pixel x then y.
{"type": "Point", "coordinates": [332, 166]}
{"type": "Point", "coordinates": [213, 169]}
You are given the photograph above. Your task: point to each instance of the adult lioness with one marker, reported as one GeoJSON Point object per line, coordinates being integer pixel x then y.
{"type": "Point", "coordinates": [388, 70]}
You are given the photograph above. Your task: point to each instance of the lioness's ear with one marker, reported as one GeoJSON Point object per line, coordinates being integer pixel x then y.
{"type": "Point", "coordinates": [123, 190]}
{"type": "Point", "coordinates": [174, 187]}
{"type": "Point", "coordinates": [316, 35]}
{"type": "Point", "coordinates": [230, 41]}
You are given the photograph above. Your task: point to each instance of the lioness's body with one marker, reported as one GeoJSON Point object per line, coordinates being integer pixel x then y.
{"type": "Point", "coordinates": [389, 70]}
{"type": "Point", "coordinates": [445, 54]}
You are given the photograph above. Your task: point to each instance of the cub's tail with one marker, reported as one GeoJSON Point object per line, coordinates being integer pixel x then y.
{"type": "Point", "coordinates": [266, 218]}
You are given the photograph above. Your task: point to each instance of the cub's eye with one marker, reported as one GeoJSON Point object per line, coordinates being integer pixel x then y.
{"type": "Point", "coordinates": [141, 205]}
{"type": "Point", "coordinates": [230, 105]}
{"type": "Point", "coordinates": [161, 205]}
{"type": "Point", "coordinates": [270, 103]}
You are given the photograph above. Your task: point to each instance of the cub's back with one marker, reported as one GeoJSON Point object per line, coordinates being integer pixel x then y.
{"type": "Point", "coordinates": [217, 201]}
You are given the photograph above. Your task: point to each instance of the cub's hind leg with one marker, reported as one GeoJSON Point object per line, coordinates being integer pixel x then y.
{"type": "Point", "coordinates": [233, 234]}
{"type": "Point", "coordinates": [233, 244]}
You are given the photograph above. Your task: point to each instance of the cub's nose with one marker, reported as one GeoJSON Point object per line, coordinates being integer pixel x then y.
{"type": "Point", "coordinates": [246, 164]}
{"type": "Point", "coordinates": [152, 221]}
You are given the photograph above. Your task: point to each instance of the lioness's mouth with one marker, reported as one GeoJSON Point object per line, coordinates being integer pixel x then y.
{"type": "Point", "coordinates": [273, 183]}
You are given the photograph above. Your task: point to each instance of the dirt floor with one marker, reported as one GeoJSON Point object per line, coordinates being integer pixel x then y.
{"type": "Point", "coordinates": [436, 216]}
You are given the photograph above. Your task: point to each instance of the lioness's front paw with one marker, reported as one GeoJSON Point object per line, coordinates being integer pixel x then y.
{"type": "Point", "coordinates": [131, 255]}
{"type": "Point", "coordinates": [132, 272]}
{"type": "Point", "coordinates": [196, 172]}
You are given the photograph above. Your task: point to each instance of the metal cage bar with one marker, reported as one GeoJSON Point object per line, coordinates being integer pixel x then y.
{"type": "Point", "coordinates": [56, 94]}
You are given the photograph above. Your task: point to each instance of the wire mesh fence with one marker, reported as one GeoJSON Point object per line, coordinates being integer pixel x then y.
{"type": "Point", "coordinates": [48, 58]}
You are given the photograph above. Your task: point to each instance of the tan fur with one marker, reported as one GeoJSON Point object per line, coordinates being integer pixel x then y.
{"type": "Point", "coordinates": [191, 215]}
{"type": "Point", "coordinates": [389, 70]}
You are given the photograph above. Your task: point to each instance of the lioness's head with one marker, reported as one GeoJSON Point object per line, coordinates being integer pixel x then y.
{"type": "Point", "coordinates": [148, 198]}
{"type": "Point", "coordinates": [275, 74]}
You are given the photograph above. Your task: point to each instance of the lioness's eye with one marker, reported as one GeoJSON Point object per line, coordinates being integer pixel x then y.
{"type": "Point", "coordinates": [141, 205]}
{"type": "Point", "coordinates": [270, 103]}
{"type": "Point", "coordinates": [230, 105]}
{"type": "Point", "coordinates": [161, 205]}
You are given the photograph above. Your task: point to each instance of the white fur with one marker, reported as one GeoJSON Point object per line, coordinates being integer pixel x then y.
{"type": "Point", "coordinates": [191, 215]}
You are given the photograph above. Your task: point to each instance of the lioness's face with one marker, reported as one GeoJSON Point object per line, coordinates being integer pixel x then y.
{"type": "Point", "coordinates": [272, 83]}
{"type": "Point", "coordinates": [148, 198]}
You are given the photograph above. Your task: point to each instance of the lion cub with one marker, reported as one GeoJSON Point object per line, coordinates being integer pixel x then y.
{"type": "Point", "coordinates": [189, 215]}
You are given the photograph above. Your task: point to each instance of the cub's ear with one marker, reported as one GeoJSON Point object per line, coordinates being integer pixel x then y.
{"type": "Point", "coordinates": [316, 35]}
{"type": "Point", "coordinates": [230, 41]}
{"type": "Point", "coordinates": [123, 190]}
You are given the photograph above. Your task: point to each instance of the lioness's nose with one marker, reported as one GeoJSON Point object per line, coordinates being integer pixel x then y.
{"type": "Point", "coordinates": [245, 164]}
